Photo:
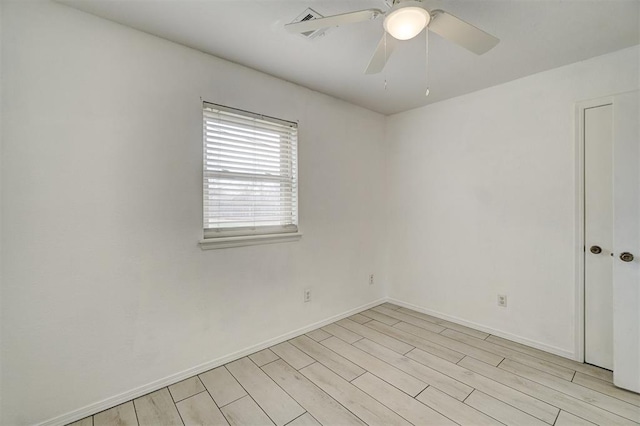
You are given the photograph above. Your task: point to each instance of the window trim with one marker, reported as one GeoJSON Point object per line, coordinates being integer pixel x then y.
{"type": "Point", "coordinates": [215, 238]}
{"type": "Point", "coordinates": [248, 240]}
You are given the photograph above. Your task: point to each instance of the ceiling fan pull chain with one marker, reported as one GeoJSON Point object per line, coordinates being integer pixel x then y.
{"type": "Point", "coordinates": [385, 60]}
{"type": "Point", "coordinates": [426, 56]}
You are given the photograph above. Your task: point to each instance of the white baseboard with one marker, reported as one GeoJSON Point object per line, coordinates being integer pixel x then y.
{"type": "Point", "coordinates": [534, 344]}
{"type": "Point", "coordinates": [107, 403]}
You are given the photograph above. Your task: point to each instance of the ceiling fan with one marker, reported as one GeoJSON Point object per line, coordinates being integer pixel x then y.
{"type": "Point", "coordinates": [403, 21]}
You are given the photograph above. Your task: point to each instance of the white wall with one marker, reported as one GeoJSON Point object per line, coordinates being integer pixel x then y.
{"type": "Point", "coordinates": [483, 196]}
{"type": "Point", "coordinates": [1, 136]}
{"type": "Point", "coordinates": [105, 288]}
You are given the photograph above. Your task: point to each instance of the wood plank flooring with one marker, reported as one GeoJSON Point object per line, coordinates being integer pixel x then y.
{"type": "Point", "coordinates": [388, 366]}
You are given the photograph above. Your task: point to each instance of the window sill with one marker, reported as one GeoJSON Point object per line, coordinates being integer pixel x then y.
{"type": "Point", "coordinates": [248, 240]}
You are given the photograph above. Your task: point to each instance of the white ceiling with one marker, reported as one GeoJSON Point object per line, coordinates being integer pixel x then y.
{"type": "Point", "coordinates": [535, 35]}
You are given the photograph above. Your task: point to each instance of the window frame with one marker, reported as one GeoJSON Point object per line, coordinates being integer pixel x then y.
{"type": "Point", "coordinates": [223, 237]}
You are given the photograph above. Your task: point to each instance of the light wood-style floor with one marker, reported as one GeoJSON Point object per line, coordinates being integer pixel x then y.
{"type": "Point", "coordinates": [389, 366]}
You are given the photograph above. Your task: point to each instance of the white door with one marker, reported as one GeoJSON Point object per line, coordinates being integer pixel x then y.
{"type": "Point", "coordinates": [626, 241]}
{"type": "Point", "coordinates": [598, 203]}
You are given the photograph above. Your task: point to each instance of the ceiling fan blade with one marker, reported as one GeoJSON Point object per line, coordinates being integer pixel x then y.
{"type": "Point", "coordinates": [461, 32]}
{"type": "Point", "coordinates": [381, 55]}
{"type": "Point", "coordinates": [333, 21]}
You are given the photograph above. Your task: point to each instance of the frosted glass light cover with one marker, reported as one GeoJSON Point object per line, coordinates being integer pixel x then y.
{"type": "Point", "coordinates": [406, 22]}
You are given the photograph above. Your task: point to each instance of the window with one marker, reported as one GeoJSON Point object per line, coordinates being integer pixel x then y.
{"type": "Point", "coordinates": [250, 176]}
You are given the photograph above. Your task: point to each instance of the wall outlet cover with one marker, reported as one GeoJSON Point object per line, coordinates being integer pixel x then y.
{"type": "Point", "coordinates": [502, 300]}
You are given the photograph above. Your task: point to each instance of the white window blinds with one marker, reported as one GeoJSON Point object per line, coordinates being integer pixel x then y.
{"type": "Point", "coordinates": [250, 173]}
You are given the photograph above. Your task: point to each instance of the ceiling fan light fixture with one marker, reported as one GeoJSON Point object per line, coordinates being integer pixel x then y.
{"type": "Point", "coordinates": [407, 20]}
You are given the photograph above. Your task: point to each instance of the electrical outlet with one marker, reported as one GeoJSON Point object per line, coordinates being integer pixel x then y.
{"type": "Point", "coordinates": [371, 279]}
{"type": "Point", "coordinates": [502, 300]}
{"type": "Point", "coordinates": [307, 295]}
